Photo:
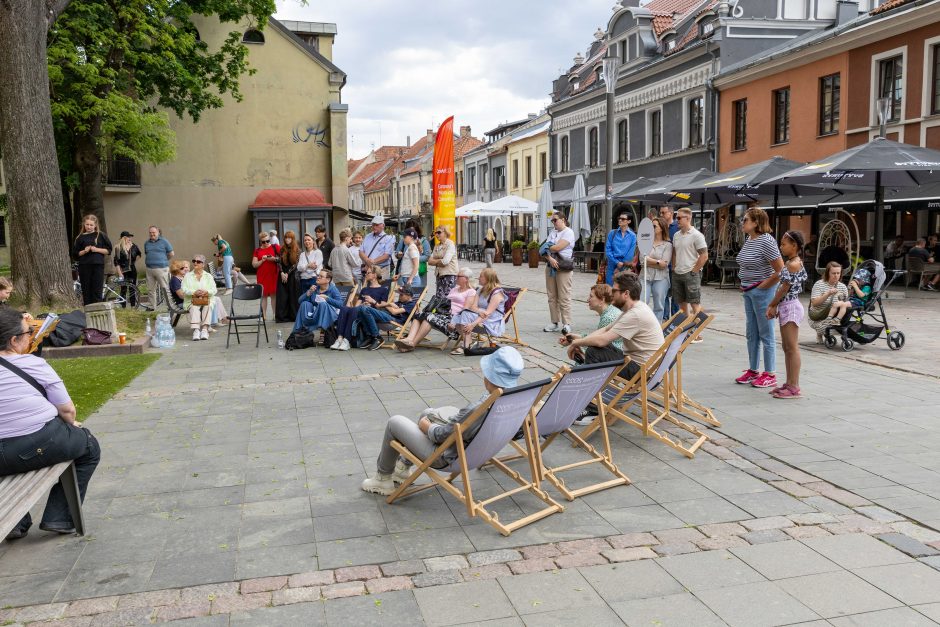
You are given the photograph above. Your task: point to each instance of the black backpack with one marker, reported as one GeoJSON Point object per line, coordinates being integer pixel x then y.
{"type": "Point", "coordinates": [299, 339]}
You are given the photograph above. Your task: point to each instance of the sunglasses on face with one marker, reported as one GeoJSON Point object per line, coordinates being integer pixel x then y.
{"type": "Point", "coordinates": [198, 261]}
{"type": "Point", "coordinates": [265, 241]}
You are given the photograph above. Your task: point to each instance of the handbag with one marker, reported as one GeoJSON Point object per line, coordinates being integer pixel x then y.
{"type": "Point", "coordinates": [478, 350]}
{"type": "Point", "coordinates": [95, 337]}
{"type": "Point", "coordinates": [200, 301]}
{"type": "Point", "coordinates": [564, 265]}
{"type": "Point", "coordinates": [438, 305]}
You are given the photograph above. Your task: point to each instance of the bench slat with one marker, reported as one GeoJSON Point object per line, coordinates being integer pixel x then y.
{"type": "Point", "coordinates": [18, 493]}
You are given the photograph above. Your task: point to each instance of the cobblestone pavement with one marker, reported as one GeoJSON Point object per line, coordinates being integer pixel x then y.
{"type": "Point", "coordinates": [228, 493]}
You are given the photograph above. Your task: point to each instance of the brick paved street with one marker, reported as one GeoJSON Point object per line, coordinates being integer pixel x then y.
{"type": "Point", "coordinates": [228, 493]}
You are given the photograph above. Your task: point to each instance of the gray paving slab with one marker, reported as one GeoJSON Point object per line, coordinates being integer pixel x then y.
{"type": "Point", "coordinates": [548, 591]}
{"type": "Point", "coordinates": [755, 604]}
{"type": "Point", "coordinates": [298, 614]}
{"type": "Point", "coordinates": [631, 580]}
{"type": "Point", "coordinates": [781, 560]}
{"type": "Point", "coordinates": [913, 583]}
{"type": "Point", "coordinates": [897, 617]}
{"type": "Point", "coordinates": [856, 550]}
{"type": "Point", "coordinates": [378, 610]}
{"type": "Point", "coordinates": [673, 610]}
{"type": "Point", "coordinates": [837, 594]}
{"type": "Point", "coordinates": [463, 602]}
{"type": "Point", "coordinates": [709, 569]}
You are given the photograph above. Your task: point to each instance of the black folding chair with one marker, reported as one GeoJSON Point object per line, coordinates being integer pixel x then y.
{"type": "Point", "coordinates": [247, 293]}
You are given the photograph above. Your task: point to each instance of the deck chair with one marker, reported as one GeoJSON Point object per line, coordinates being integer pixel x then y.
{"type": "Point", "coordinates": [513, 294]}
{"type": "Point", "coordinates": [394, 330]}
{"type": "Point", "coordinates": [348, 292]}
{"type": "Point", "coordinates": [503, 413]}
{"type": "Point", "coordinates": [682, 402]}
{"type": "Point", "coordinates": [251, 320]}
{"type": "Point", "coordinates": [623, 394]}
{"type": "Point", "coordinates": [575, 388]}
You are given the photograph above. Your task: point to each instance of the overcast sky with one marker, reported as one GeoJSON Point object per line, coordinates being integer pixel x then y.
{"type": "Point", "coordinates": [411, 64]}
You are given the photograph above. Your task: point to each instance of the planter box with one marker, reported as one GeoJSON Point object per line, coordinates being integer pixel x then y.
{"type": "Point", "coordinates": [105, 350]}
{"type": "Point", "coordinates": [517, 256]}
{"type": "Point", "coordinates": [534, 258]}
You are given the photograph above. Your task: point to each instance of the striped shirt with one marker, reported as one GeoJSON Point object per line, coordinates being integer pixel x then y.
{"type": "Point", "coordinates": [755, 258]}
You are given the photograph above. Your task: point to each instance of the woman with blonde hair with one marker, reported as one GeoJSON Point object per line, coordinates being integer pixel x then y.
{"type": "Point", "coordinates": [309, 263]}
{"type": "Point", "coordinates": [125, 262]}
{"type": "Point", "coordinates": [490, 246]}
{"type": "Point", "coordinates": [486, 309]}
{"type": "Point", "coordinates": [444, 259]}
{"type": "Point", "coordinates": [90, 248]}
{"type": "Point", "coordinates": [288, 286]}
{"type": "Point", "coordinates": [265, 262]}
{"type": "Point", "coordinates": [460, 296]}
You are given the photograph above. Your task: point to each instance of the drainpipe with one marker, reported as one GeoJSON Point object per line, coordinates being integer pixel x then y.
{"type": "Point", "coordinates": [713, 96]}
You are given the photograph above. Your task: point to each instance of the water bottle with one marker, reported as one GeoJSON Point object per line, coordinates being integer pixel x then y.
{"type": "Point", "coordinates": [170, 337]}
{"type": "Point", "coordinates": [148, 332]}
{"type": "Point", "coordinates": [154, 335]}
{"type": "Point", "coordinates": [280, 339]}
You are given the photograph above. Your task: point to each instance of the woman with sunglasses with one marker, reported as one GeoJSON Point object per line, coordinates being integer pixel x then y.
{"type": "Point", "coordinates": [37, 424]}
{"type": "Point", "coordinates": [199, 285]}
{"type": "Point", "coordinates": [444, 260]}
{"type": "Point", "coordinates": [265, 262]}
{"type": "Point", "coordinates": [560, 245]}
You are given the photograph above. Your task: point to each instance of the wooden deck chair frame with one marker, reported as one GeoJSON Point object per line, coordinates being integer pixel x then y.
{"type": "Point", "coordinates": [683, 403]}
{"type": "Point", "coordinates": [396, 331]}
{"type": "Point", "coordinates": [508, 315]}
{"type": "Point", "coordinates": [548, 427]}
{"type": "Point", "coordinates": [636, 391]}
{"type": "Point", "coordinates": [525, 397]}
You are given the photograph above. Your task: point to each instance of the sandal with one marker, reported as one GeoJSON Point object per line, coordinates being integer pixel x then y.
{"type": "Point", "coordinates": [457, 351]}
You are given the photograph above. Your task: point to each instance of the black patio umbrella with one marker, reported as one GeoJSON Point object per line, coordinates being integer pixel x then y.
{"type": "Point", "coordinates": [745, 184]}
{"type": "Point", "coordinates": [672, 189]}
{"type": "Point", "coordinates": [878, 164]}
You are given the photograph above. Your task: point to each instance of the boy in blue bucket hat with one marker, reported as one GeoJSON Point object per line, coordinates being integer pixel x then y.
{"type": "Point", "coordinates": [501, 369]}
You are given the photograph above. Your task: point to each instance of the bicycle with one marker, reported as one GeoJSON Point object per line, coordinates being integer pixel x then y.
{"type": "Point", "coordinates": [111, 292]}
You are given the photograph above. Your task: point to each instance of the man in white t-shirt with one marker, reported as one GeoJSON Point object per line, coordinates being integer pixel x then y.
{"type": "Point", "coordinates": [689, 256]}
{"type": "Point", "coordinates": [559, 246]}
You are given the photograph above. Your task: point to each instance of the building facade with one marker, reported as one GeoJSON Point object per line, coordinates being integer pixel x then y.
{"type": "Point", "coordinates": [817, 95]}
{"type": "Point", "coordinates": [289, 131]}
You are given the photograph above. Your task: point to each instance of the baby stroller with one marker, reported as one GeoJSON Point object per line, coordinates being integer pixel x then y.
{"type": "Point", "coordinates": [852, 327]}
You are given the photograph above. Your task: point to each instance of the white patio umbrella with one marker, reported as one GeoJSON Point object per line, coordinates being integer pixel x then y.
{"type": "Point", "coordinates": [508, 205]}
{"type": "Point", "coordinates": [540, 222]}
{"type": "Point", "coordinates": [578, 216]}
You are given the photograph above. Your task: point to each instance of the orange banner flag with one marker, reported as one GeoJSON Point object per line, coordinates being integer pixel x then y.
{"type": "Point", "coordinates": [442, 179]}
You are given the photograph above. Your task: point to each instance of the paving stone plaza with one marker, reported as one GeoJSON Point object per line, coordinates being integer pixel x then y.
{"type": "Point", "coordinates": [228, 493]}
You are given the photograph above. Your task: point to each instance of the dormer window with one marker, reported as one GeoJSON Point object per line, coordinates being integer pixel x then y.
{"type": "Point", "coordinates": [707, 29]}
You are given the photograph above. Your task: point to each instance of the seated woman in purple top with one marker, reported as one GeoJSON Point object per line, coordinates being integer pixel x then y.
{"type": "Point", "coordinates": [37, 424]}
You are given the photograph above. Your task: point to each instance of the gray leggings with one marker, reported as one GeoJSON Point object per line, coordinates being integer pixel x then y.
{"type": "Point", "coordinates": [406, 431]}
{"type": "Point", "coordinates": [489, 254]}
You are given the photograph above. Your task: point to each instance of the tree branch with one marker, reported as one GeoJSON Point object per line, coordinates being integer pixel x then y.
{"type": "Point", "coordinates": [55, 7]}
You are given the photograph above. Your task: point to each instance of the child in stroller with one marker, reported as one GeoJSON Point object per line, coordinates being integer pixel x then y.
{"type": "Point", "coordinates": [868, 283]}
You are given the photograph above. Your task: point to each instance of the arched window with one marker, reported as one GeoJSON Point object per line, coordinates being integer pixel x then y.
{"type": "Point", "coordinates": [253, 37]}
{"type": "Point", "coordinates": [622, 152]}
{"type": "Point", "coordinates": [593, 148]}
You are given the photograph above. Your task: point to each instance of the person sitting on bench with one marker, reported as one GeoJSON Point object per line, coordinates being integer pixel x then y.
{"type": "Point", "coordinates": [37, 424]}
{"type": "Point", "coordinates": [501, 369]}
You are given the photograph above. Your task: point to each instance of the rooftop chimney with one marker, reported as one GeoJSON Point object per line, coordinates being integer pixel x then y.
{"type": "Point", "coordinates": [465, 131]}
{"type": "Point", "coordinates": [431, 135]}
{"type": "Point", "coordinates": [408, 141]}
{"type": "Point", "coordinates": [846, 11]}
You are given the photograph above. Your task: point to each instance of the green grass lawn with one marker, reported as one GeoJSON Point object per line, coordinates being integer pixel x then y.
{"type": "Point", "coordinates": [91, 381]}
{"type": "Point", "coordinates": [133, 322]}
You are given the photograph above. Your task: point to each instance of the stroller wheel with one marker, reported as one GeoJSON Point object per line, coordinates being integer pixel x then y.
{"type": "Point", "coordinates": [830, 340]}
{"type": "Point", "coordinates": [847, 345]}
{"type": "Point", "coordinates": [895, 340]}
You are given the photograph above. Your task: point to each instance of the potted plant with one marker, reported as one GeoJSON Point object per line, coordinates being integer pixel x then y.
{"type": "Point", "coordinates": [534, 254]}
{"type": "Point", "coordinates": [517, 246]}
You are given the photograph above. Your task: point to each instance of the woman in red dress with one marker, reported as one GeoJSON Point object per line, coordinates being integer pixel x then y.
{"type": "Point", "coordinates": [265, 263]}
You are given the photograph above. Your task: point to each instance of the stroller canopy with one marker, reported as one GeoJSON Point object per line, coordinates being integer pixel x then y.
{"type": "Point", "coordinates": [871, 273]}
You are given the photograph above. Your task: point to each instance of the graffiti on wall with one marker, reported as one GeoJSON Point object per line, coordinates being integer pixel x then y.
{"type": "Point", "coordinates": [305, 132]}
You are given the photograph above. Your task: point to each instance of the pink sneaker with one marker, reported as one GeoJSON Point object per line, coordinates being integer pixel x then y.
{"type": "Point", "coordinates": [765, 380]}
{"type": "Point", "coordinates": [788, 391]}
{"type": "Point", "coordinates": [747, 377]}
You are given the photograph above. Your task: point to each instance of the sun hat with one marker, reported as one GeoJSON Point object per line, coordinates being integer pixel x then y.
{"type": "Point", "coordinates": [379, 219]}
{"type": "Point", "coordinates": [503, 367]}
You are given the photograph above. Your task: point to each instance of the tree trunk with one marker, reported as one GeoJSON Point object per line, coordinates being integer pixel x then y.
{"type": "Point", "coordinates": [90, 186]}
{"type": "Point", "coordinates": [39, 248]}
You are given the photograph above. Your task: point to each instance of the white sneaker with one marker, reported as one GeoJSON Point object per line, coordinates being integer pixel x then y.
{"type": "Point", "coordinates": [552, 328]}
{"type": "Point", "coordinates": [566, 329]}
{"type": "Point", "coordinates": [196, 335]}
{"type": "Point", "coordinates": [402, 471]}
{"type": "Point", "coordinates": [212, 329]}
{"type": "Point", "coordinates": [379, 484]}
{"type": "Point", "coordinates": [204, 335]}
{"type": "Point", "coordinates": [337, 344]}
{"type": "Point", "coordinates": [344, 346]}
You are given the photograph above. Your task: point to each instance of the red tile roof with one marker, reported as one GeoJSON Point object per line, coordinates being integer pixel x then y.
{"type": "Point", "coordinates": [887, 6]}
{"type": "Point", "coordinates": [463, 145]}
{"type": "Point", "coordinates": [662, 22]}
{"type": "Point", "coordinates": [367, 173]}
{"type": "Point", "coordinates": [672, 7]}
{"type": "Point", "coordinates": [352, 164]}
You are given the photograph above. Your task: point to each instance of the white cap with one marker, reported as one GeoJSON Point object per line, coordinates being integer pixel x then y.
{"type": "Point", "coordinates": [379, 219]}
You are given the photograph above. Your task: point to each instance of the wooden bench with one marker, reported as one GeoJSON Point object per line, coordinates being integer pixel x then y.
{"type": "Point", "coordinates": [18, 493]}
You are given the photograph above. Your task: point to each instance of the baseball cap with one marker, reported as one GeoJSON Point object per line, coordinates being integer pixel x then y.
{"type": "Point", "coordinates": [413, 234]}
{"type": "Point", "coordinates": [380, 219]}
{"type": "Point", "coordinates": [503, 367]}
{"type": "Point", "coordinates": [405, 289]}
{"type": "Point", "coordinates": [126, 234]}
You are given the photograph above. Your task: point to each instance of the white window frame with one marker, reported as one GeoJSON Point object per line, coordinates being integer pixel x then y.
{"type": "Point", "coordinates": [927, 80]}
{"type": "Point", "coordinates": [649, 131]}
{"type": "Point", "coordinates": [587, 145]}
{"type": "Point", "coordinates": [685, 119]}
{"type": "Point", "coordinates": [561, 165]}
{"type": "Point", "coordinates": [617, 121]}
{"type": "Point", "coordinates": [875, 86]}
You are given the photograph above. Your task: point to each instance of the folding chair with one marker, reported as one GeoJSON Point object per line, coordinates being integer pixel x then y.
{"type": "Point", "coordinates": [348, 292]}
{"type": "Point", "coordinates": [175, 310]}
{"type": "Point", "coordinates": [576, 388]}
{"type": "Point", "coordinates": [623, 394]}
{"type": "Point", "coordinates": [684, 404]}
{"type": "Point", "coordinates": [503, 413]}
{"type": "Point", "coordinates": [394, 330]}
{"type": "Point", "coordinates": [247, 293]}
{"type": "Point", "coordinates": [513, 294]}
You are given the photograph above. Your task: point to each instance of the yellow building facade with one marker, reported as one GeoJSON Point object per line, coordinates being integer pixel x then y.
{"type": "Point", "coordinates": [289, 131]}
{"type": "Point", "coordinates": [527, 159]}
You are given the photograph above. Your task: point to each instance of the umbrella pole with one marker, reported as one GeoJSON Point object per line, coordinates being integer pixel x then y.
{"type": "Point", "coordinates": [776, 205]}
{"type": "Point", "coordinates": [879, 218]}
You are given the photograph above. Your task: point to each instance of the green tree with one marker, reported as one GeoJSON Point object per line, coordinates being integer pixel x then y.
{"type": "Point", "coordinates": [117, 67]}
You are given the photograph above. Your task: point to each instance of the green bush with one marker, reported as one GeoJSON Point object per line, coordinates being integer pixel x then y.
{"type": "Point", "coordinates": [517, 244]}
{"type": "Point", "coordinates": [534, 245]}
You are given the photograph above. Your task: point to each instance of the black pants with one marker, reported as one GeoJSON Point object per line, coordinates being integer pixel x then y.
{"type": "Point", "coordinates": [55, 442]}
{"type": "Point", "coordinates": [91, 276]}
{"type": "Point", "coordinates": [595, 355]}
{"type": "Point", "coordinates": [130, 276]}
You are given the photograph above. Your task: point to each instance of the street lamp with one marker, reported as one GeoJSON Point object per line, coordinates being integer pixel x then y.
{"type": "Point", "coordinates": [611, 65]}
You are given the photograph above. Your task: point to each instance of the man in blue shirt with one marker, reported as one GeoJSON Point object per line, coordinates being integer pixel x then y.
{"type": "Point", "coordinates": [157, 255]}
{"type": "Point", "coordinates": [620, 248]}
{"type": "Point", "coordinates": [378, 248]}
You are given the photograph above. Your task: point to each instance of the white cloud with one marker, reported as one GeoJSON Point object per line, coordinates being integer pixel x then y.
{"type": "Point", "coordinates": [411, 64]}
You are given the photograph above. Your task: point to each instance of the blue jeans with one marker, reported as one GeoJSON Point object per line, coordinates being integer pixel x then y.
{"type": "Point", "coordinates": [656, 293]}
{"type": "Point", "coordinates": [55, 442]}
{"type": "Point", "coordinates": [370, 318]}
{"type": "Point", "coordinates": [760, 330]}
{"type": "Point", "coordinates": [228, 262]}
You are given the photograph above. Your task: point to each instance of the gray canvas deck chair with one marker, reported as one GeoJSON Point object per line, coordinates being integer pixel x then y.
{"type": "Point", "coordinates": [576, 388]}
{"type": "Point", "coordinates": [503, 413]}
{"type": "Point", "coordinates": [682, 402]}
{"type": "Point", "coordinates": [623, 394]}
{"type": "Point", "coordinates": [395, 331]}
